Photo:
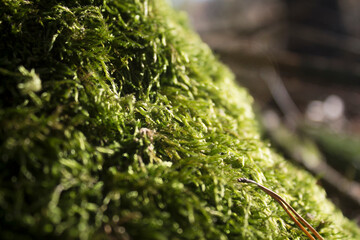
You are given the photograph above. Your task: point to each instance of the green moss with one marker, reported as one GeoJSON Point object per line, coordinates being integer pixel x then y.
{"type": "Point", "coordinates": [117, 122]}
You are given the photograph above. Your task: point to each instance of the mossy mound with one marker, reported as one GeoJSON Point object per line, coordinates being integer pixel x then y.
{"type": "Point", "coordinates": [118, 123]}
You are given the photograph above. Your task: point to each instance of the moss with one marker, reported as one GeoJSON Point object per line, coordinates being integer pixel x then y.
{"type": "Point", "coordinates": [117, 122]}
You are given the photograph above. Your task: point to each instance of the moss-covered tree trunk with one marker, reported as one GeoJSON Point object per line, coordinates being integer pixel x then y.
{"type": "Point", "coordinates": [117, 122]}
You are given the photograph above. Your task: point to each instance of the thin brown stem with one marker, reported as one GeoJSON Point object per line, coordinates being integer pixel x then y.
{"type": "Point", "coordinates": [285, 205]}
{"type": "Point", "coordinates": [294, 219]}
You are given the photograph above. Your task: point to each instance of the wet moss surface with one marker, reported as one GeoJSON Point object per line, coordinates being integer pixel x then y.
{"type": "Point", "coordinates": [117, 122]}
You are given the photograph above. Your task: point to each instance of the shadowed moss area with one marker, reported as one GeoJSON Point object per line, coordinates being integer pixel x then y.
{"type": "Point", "coordinates": [117, 122]}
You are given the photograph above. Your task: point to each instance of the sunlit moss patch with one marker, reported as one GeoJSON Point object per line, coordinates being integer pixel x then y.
{"type": "Point", "coordinates": [117, 122]}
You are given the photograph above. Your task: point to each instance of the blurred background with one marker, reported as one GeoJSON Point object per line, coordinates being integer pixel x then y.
{"type": "Point", "coordinates": [300, 60]}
